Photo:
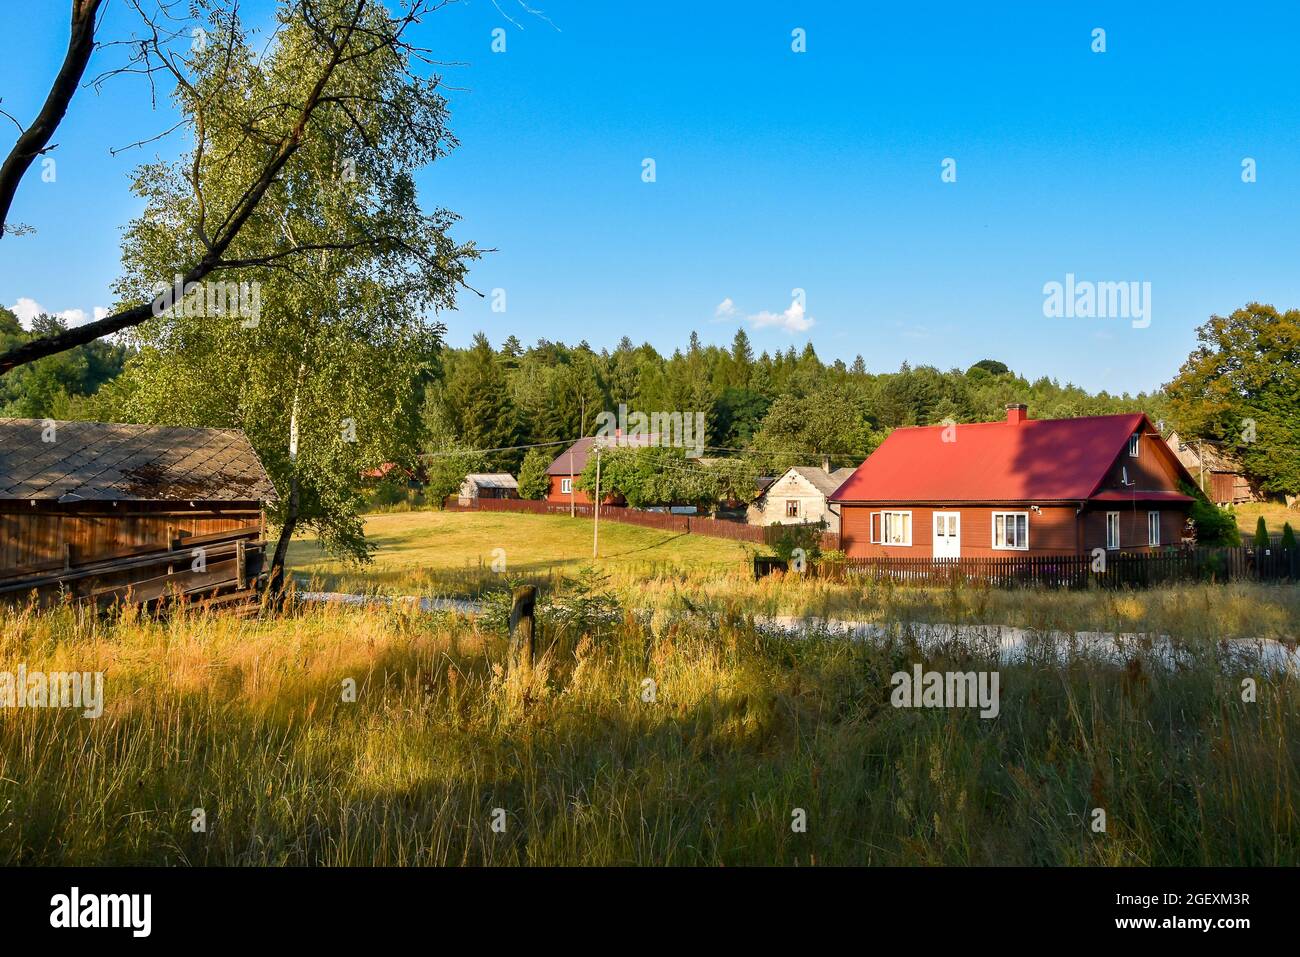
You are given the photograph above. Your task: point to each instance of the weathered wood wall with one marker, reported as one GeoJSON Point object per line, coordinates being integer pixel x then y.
{"type": "Point", "coordinates": [35, 535]}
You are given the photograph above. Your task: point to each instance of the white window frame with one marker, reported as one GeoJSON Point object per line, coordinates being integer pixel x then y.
{"type": "Point", "coordinates": [1153, 528]}
{"type": "Point", "coordinates": [1112, 544]}
{"type": "Point", "coordinates": [566, 486]}
{"type": "Point", "coordinates": [993, 531]}
{"type": "Point", "coordinates": [1135, 445]}
{"type": "Point", "coordinates": [879, 520]}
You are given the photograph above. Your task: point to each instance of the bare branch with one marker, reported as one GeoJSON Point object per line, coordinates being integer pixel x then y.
{"type": "Point", "coordinates": [35, 139]}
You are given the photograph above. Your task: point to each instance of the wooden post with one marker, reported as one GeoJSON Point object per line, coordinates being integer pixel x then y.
{"type": "Point", "coordinates": [241, 579]}
{"type": "Point", "coordinates": [522, 627]}
{"type": "Point", "coordinates": [595, 527]}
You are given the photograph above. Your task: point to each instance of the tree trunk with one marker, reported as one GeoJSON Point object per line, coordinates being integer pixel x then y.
{"type": "Point", "coordinates": [275, 584]}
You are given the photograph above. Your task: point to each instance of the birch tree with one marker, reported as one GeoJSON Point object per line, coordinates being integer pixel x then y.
{"type": "Point", "coordinates": [322, 356]}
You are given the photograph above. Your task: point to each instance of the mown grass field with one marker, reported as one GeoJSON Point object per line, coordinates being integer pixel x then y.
{"type": "Point", "coordinates": [1275, 516]}
{"type": "Point", "coordinates": [424, 550]}
{"type": "Point", "coordinates": [745, 733]}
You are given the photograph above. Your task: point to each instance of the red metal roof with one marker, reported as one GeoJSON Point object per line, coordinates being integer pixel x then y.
{"type": "Point", "coordinates": [1035, 460]}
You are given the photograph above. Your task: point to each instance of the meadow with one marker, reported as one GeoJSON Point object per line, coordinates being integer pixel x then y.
{"type": "Point", "coordinates": [664, 723]}
{"type": "Point", "coordinates": [685, 735]}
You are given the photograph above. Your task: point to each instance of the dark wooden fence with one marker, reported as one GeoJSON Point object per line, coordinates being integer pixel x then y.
{"type": "Point", "coordinates": [667, 521]}
{"type": "Point", "coordinates": [1079, 571]}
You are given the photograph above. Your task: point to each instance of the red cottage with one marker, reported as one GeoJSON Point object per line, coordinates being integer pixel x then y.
{"type": "Point", "coordinates": [1018, 487]}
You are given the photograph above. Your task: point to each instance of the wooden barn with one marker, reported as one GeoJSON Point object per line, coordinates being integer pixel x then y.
{"type": "Point", "coordinates": [100, 511]}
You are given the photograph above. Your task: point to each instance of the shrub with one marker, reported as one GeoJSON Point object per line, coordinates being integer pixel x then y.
{"type": "Point", "coordinates": [533, 481]}
{"type": "Point", "coordinates": [1261, 534]}
{"type": "Point", "coordinates": [1288, 536]}
{"type": "Point", "coordinates": [784, 539]}
{"type": "Point", "coordinates": [1214, 525]}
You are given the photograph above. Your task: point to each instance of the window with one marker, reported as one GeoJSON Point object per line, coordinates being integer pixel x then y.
{"type": "Point", "coordinates": [792, 508]}
{"type": "Point", "coordinates": [1153, 528]}
{"type": "Point", "coordinates": [1011, 530]}
{"type": "Point", "coordinates": [566, 486]}
{"type": "Point", "coordinates": [891, 528]}
{"type": "Point", "coordinates": [1133, 443]}
{"type": "Point", "coordinates": [1112, 529]}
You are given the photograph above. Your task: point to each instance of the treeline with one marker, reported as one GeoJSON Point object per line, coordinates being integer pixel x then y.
{"type": "Point", "coordinates": [779, 408]}
{"type": "Point", "coordinates": [60, 386]}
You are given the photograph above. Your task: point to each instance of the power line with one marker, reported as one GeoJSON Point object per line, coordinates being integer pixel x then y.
{"type": "Point", "coordinates": [503, 448]}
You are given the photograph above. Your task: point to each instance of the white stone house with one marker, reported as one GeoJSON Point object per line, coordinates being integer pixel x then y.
{"type": "Point", "coordinates": [799, 497]}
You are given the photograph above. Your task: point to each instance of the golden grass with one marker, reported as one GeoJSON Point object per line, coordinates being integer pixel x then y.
{"type": "Point", "coordinates": [246, 719]}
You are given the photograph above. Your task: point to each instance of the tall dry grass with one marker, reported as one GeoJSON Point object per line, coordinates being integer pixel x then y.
{"type": "Point", "coordinates": [246, 719]}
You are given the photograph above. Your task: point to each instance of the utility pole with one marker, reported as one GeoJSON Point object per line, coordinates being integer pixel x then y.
{"type": "Point", "coordinates": [595, 526]}
{"type": "Point", "coordinates": [582, 430]}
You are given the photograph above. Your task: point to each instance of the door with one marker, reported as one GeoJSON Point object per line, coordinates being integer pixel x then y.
{"type": "Point", "coordinates": [947, 534]}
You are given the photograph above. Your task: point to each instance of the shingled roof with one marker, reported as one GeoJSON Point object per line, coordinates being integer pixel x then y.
{"type": "Point", "coordinates": [99, 462]}
{"type": "Point", "coordinates": [575, 456]}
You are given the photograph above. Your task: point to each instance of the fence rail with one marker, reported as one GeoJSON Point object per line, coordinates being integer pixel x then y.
{"type": "Point", "coordinates": [1079, 571]}
{"type": "Point", "coordinates": [666, 521]}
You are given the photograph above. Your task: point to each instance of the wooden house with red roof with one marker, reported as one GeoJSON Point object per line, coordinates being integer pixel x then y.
{"type": "Point", "coordinates": [1017, 487]}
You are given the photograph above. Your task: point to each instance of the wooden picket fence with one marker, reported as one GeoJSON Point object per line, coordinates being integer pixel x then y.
{"type": "Point", "coordinates": [1079, 571]}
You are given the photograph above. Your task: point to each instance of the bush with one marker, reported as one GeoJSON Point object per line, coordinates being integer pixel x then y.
{"type": "Point", "coordinates": [1261, 534]}
{"type": "Point", "coordinates": [1214, 525]}
{"type": "Point", "coordinates": [1288, 536]}
{"type": "Point", "coordinates": [533, 480]}
{"type": "Point", "coordinates": [784, 539]}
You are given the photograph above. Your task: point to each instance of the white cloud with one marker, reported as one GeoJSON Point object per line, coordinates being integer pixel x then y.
{"type": "Point", "coordinates": [791, 320]}
{"type": "Point", "coordinates": [28, 309]}
{"type": "Point", "coordinates": [725, 309]}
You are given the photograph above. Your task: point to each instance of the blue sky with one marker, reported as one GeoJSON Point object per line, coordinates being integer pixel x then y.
{"type": "Point", "coordinates": [818, 171]}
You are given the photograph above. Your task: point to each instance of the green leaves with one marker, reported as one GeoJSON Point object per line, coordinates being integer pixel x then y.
{"type": "Point", "coordinates": [1242, 387]}
{"type": "Point", "coordinates": [327, 381]}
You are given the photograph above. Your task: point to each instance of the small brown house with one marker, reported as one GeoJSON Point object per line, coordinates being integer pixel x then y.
{"type": "Point", "coordinates": [90, 506]}
{"type": "Point", "coordinates": [1017, 487]}
{"type": "Point", "coordinates": [567, 467]}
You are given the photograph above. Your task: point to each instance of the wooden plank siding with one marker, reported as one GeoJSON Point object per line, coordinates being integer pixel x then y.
{"type": "Point", "coordinates": [1051, 532]}
{"type": "Point", "coordinates": [41, 534]}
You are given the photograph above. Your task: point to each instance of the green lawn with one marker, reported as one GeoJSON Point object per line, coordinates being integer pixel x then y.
{"type": "Point", "coordinates": [1275, 515]}
{"type": "Point", "coordinates": [418, 548]}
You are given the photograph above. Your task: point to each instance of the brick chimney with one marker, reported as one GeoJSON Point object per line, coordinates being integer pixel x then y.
{"type": "Point", "coordinates": [1017, 412]}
